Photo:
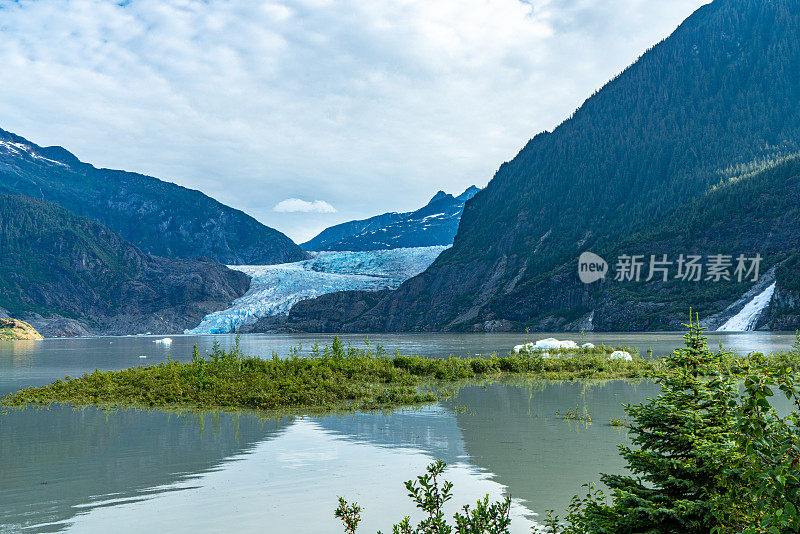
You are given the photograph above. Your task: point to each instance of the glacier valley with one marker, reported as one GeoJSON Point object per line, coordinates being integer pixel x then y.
{"type": "Point", "coordinates": [274, 289]}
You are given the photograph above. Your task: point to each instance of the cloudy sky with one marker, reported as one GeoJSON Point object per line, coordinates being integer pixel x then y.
{"type": "Point", "coordinates": [306, 113]}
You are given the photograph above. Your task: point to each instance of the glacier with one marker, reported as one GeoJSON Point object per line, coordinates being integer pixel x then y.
{"type": "Point", "coordinates": [274, 289]}
{"type": "Point", "coordinates": [746, 319]}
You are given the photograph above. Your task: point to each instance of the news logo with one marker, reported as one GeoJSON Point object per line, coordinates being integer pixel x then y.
{"type": "Point", "coordinates": [591, 267]}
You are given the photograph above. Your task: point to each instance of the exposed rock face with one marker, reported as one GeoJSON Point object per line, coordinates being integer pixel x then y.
{"type": "Point", "coordinates": [159, 217]}
{"type": "Point", "coordinates": [328, 313]}
{"type": "Point", "coordinates": [337, 235]}
{"type": "Point", "coordinates": [783, 312]}
{"type": "Point", "coordinates": [57, 326]}
{"type": "Point", "coordinates": [14, 329]}
{"type": "Point", "coordinates": [71, 276]}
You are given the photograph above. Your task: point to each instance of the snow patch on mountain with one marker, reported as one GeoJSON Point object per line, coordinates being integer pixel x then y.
{"type": "Point", "coordinates": [274, 289]}
{"type": "Point", "coordinates": [434, 224]}
{"type": "Point", "coordinates": [20, 148]}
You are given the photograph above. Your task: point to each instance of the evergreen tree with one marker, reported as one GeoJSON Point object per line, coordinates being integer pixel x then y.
{"type": "Point", "coordinates": [682, 441]}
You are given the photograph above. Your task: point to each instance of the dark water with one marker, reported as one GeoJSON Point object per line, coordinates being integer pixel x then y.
{"type": "Point", "coordinates": [137, 471]}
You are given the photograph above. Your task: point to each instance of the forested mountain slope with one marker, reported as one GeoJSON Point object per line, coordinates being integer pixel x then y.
{"type": "Point", "coordinates": [55, 263]}
{"type": "Point", "coordinates": [717, 101]}
{"type": "Point", "coordinates": [159, 217]}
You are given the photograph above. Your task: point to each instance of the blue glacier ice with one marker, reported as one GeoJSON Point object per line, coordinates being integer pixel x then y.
{"type": "Point", "coordinates": [274, 289]}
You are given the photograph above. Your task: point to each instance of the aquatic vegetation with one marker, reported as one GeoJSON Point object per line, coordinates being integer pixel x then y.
{"type": "Point", "coordinates": [341, 378]}
{"type": "Point", "coordinates": [333, 377]}
{"type": "Point", "coordinates": [705, 457]}
{"type": "Point", "coordinates": [575, 414]}
{"type": "Point", "coordinates": [567, 348]}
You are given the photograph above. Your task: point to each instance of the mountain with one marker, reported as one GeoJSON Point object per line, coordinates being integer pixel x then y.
{"type": "Point", "coordinates": [159, 217]}
{"type": "Point", "coordinates": [434, 224]}
{"type": "Point", "coordinates": [68, 274]}
{"type": "Point", "coordinates": [691, 150]}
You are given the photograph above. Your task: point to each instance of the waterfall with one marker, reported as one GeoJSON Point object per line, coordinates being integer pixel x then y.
{"type": "Point", "coordinates": [746, 319]}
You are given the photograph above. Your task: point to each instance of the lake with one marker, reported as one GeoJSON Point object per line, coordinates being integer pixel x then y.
{"type": "Point", "coordinates": [89, 470]}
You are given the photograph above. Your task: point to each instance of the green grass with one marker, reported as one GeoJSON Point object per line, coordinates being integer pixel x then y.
{"type": "Point", "coordinates": [333, 378]}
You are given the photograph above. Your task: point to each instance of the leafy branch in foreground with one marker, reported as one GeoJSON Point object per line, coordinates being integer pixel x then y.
{"type": "Point", "coordinates": [350, 514]}
{"type": "Point", "coordinates": [430, 494]}
{"type": "Point", "coordinates": [705, 458]}
{"type": "Point", "coordinates": [677, 440]}
{"type": "Point", "coordinates": [764, 481]}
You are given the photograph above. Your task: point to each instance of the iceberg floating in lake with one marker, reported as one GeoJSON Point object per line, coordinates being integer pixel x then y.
{"type": "Point", "coordinates": [587, 346]}
{"type": "Point", "coordinates": [274, 289]}
{"type": "Point", "coordinates": [621, 355]}
{"type": "Point", "coordinates": [545, 344]}
{"type": "Point", "coordinates": [164, 341]}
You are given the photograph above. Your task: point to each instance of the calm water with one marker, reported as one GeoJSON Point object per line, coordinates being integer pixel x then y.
{"type": "Point", "coordinates": [135, 471]}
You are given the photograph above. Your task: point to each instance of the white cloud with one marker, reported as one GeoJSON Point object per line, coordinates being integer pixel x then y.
{"type": "Point", "coordinates": [372, 104]}
{"type": "Point", "coordinates": [292, 205]}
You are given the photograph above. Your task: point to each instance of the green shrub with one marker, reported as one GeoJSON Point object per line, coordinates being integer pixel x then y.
{"type": "Point", "coordinates": [430, 494]}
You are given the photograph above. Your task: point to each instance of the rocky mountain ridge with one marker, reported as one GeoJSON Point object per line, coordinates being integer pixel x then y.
{"type": "Point", "coordinates": [435, 224]}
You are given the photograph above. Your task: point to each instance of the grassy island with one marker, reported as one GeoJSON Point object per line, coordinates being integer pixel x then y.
{"type": "Point", "coordinates": [334, 377]}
